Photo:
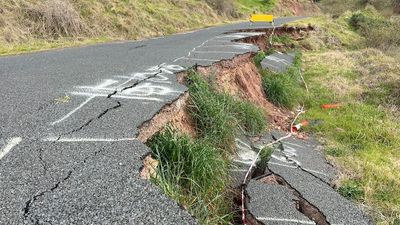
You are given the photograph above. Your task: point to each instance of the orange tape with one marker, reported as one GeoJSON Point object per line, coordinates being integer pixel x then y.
{"type": "Point", "coordinates": [331, 106]}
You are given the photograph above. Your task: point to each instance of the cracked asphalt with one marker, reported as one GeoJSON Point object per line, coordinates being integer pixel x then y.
{"type": "Point", "coordinates": [306, 175]}
{"type": "Point", "coordinates": [69, 119]}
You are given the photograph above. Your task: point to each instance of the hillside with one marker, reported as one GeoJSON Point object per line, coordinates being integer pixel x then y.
{"type": "Point", "coordinates": [27, 25]}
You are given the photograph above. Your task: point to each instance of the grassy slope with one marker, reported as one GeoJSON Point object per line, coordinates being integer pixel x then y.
{"type": "Point", "coordinates": [363, 137]}
{"type": "Point", "coordinates": [28, 25]}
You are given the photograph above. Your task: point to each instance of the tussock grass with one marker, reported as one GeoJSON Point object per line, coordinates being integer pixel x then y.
{"type": "Point", "coordinates": [284, 89]}
{"type": "Point", "coordinates": [218, 115]}
{"type": "Point", "coordinates": [193, 173]}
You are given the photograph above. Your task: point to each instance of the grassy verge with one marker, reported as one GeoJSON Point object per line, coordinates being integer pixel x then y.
{"type": "Point", "coordinates": [195, 172]}
{"type": "Point", "coordinates": [363, 136]}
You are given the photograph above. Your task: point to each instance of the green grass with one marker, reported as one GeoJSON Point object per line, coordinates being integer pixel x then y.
{"type": "Point", "coordinates": [259, 6]}
{"type": "Point", "coordinates": [362, 137]}
{"type": "Point", "coordinates": [284, 89]}
{"type": "Point", "coordinates": [218, 115]}
{"type": "Point", "coordinates": [195, 174]}
{"type": "Point", "coordinates": [285, 39]}
{"type": "Point", "coordinates": [351, 189]}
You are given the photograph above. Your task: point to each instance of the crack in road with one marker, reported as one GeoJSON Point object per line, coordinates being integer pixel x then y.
{"type": "Point", "coordinates": [31, 201]}
{"type": "Point", "coordinates": [42, 161]}
{"type": "Point", "coordinates": [306, 207]}
{"type": "Point", "coordinates": [91, 120]}
{"type": "Point", "coordinates": [282, 148]}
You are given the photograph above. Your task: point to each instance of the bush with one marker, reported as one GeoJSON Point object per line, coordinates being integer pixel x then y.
{"type": "Point", "coordinates": [194, 173]}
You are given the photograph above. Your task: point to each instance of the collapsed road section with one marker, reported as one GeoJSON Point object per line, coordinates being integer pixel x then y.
{"type": "Point", "coordinates": [84, 166]}
{"type": "Point", "coordinates": [70, 155]}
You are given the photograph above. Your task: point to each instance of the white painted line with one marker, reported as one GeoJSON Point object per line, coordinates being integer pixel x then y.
{"type": "Point", "coordinates": [314, 171]}
{"type": "Point", "coordinates": [177, 59]}
{"type": "Point", "coordinates": [73, 111]}
{"type": "Point", "coordinates": [284, 220]}
{"type": "Point", "coordinates": [295, 167]}
{"type": "Point", "coordinates": [238, 170]}
{"type": "Point", "coordinates": [278, 164]}
{"type": "Point", "coordinates": [196, 59]}
{"type": "Point", "coordinates": [53, 139]}
{"type": "Point", "coordinates": [11, 144]}
{"type": "Point", "coordinates": [223, 52]}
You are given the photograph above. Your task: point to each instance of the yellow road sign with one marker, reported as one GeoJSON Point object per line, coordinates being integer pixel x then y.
{"type": "Point", "coordinates": [262, 18]}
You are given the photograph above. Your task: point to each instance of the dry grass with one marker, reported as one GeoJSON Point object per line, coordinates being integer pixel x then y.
{"type": "Point", "coordinates": [27, 25]}
{"type": "Point", "coordinates": [54, 18]}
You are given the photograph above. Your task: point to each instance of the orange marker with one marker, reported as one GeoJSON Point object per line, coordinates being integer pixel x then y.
{"type": "Point", "coordinates": [297, 127]}
{"type": "Point", "coordinates": [331, 106]}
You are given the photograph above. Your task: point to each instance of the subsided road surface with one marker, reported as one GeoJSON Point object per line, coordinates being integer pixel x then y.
{"type": "Point", "coordinates": [69, 119]}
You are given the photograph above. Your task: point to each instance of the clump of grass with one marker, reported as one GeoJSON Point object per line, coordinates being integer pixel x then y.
{"type": "Point", "coordinates": [56, 18]}
{"type": "Point", "coordinates": [193, 173]}
{"type": "Point", "coordinates": [351, 189]}
{"type": "Point", "coordinates": [284, 89]}
{"type": "Point", "coordinates": [260, 56]}
{"type": "Point", "coordinates": [284, 39]}
{"type": "Point", "coordinates": [218, 115]}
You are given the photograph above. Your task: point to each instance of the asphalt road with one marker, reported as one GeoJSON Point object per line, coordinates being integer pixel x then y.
{"type": "Point", "coordinates": [69, 119]}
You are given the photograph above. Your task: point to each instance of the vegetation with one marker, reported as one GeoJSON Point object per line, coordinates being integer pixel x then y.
{"type": "Point", "coordinates": [218, 115]}
{"type": "Point", "coordinates": [194, 172]}
{"type": "Point", "coordinates": [28, 25]}
{"type": "Point", "coordinates": [346, 66]}
{"type": "Point", "coordinates": [284, 89]}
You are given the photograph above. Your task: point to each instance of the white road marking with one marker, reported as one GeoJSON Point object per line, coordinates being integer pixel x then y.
{"type": "Point", "coordinates": [73, 111]}
{"type": "Point", "coordinates": [88, 139]}
{"type": "Point", "coordinates": [295, 167]}
{"type": "Point", "coordinates": [207, 60]}
{"type": "Point", "coordinates": [223, 52]}
{"type": "Point", "coordinates": [238, 170]}
{"type": "Point", "coordinates": [278, 164]}
{"type": "Point", "coordinates": [177, 59]}
{"type": "Point", "coordinates": [11, 144]}
{"type": "Point", "coordinates": [285, 220]}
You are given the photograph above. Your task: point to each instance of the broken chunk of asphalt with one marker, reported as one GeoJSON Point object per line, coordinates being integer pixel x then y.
{"type": "Point", "coordinates": [278, 62]}
{"type": "Point", "coordinates": [306, 195]}
{"type": "Point", "coordinates": [274, 204]}
{"type": "Point", "coordinates": [335, 207]}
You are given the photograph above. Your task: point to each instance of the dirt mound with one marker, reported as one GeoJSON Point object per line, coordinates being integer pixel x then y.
{"type": "Point", "coordinates": [240, 77]}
